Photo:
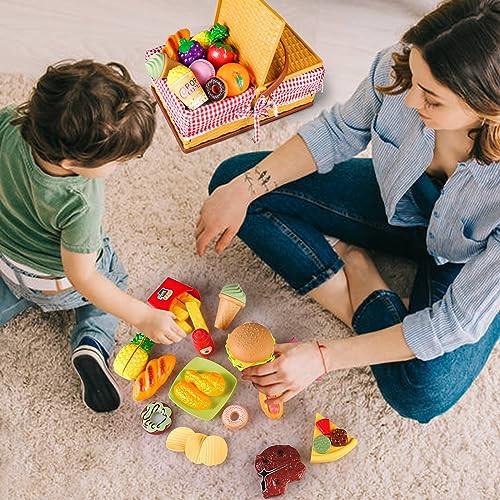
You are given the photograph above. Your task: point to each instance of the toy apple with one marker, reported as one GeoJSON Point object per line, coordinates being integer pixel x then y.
{"type": "Point", "coordinates": [220, 53]}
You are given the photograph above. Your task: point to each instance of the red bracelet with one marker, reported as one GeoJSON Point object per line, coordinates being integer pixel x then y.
{"type": "Point", "coordinates": [322, 357]}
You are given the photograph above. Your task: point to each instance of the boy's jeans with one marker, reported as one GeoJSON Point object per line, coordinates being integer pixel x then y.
{"type": "Point", "coordinates": [90, 321]}
{"type": "Point", "coordinates": [286, 229]}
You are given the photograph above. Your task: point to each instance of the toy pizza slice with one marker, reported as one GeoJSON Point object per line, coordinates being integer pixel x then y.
{"type": "Point", "coordinates": [329, 442]}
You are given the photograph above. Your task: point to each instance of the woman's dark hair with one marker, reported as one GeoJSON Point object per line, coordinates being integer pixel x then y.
{"type": "Point", "coordinates": [88, 112]}
{"type": "Point", "coordinates": [460, 41]}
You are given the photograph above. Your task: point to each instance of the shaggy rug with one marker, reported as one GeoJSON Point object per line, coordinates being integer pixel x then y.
{"type": "Point", "coordinates": [52, 447]}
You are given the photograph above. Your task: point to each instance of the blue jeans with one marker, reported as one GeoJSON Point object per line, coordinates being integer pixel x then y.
{"type": "Point", "coordinates": [90, 321]}
{"type": "Point", "coordinates": [286, 229]}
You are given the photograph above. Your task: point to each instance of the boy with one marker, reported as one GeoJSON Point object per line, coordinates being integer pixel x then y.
{"type": "Point", "coordinates": [82, 119]}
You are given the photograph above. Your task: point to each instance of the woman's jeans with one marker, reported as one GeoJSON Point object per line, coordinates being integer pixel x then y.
{"type": "Point", "coordinates": [286, 229]}
{"type": "Point", "coordinates": [89, 320]}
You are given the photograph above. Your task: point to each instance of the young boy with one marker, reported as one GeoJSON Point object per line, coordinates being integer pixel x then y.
{"type": "Point", "coordinates": [82, 120]}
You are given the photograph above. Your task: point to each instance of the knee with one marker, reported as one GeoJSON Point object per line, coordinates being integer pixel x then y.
{"type": "Point", "coordinates": [421, 401]}
{"type": "Point", "coordinates": [232, 167]}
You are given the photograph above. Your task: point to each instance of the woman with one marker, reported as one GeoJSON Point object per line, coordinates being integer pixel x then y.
{"type": "Point", "coordinates": [431, 192]}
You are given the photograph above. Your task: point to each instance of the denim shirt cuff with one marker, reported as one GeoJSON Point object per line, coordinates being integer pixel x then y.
{"type": "Point", "coordinates": [317, 139]}
{"type": "Point", "coordinates": [420, 336]}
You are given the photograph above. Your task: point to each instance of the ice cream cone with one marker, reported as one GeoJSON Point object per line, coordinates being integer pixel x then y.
{"type": "Point", "coordinates": [227, 311]}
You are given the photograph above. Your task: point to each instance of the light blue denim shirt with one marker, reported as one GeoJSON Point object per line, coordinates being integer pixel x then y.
{"type": "Point", "coordinates": [464, 226]}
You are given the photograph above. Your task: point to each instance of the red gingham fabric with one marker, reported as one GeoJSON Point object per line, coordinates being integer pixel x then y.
{"type": "Point", "coordinates": [209, 116]}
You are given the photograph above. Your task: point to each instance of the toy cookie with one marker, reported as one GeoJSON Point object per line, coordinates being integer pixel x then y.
{"type": "Point", "coordinates": [153, 377]}
{"type": "Point", "coordinates": [215, 88]}
{"type": "Point", "coordinates": [156, 418]}
{"type": "Point", "coordinates": [231, 300]}
{"type": "Point", "coordinates": [277, 466]}
{"type": "Point", "coordinates": [329, 442]}
{"type": "Point", "coordinates": [132, 358]}
{"type": "Point", "coordinates": [235, 417]}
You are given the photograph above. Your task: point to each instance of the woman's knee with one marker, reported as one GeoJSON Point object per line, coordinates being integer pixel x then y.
{"type": "Point", "coordinates": [234, 166]}
{"type": "Point", "coordinates": [420, 400]}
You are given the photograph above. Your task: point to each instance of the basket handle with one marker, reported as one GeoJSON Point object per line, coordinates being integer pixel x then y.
{"type": "Point", "coordinates": [278, 80]}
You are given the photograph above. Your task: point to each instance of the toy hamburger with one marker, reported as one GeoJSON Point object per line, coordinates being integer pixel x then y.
{"type": "Point", "coordinates": [250, 344]}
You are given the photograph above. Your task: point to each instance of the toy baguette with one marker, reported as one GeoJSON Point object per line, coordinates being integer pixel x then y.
{"type": "Point", "coordinates": [172, 44]}
{"type": "Point", "coordinates": [153, 377]}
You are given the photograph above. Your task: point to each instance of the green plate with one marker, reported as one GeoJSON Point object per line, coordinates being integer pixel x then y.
{"type": "Point", "coordinates": [205, 365]}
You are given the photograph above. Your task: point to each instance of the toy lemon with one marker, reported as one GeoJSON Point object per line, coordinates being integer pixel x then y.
{"type": "Point", "coordinates": [132, 358]}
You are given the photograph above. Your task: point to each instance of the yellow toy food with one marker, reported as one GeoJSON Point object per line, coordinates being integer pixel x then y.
{"type": "Point", "coordinates": [179, 309]}
{"type": "Point", "coordinates": [183, 83]}
{"type": "Point", "coordinates": [203, 38]}
{"type": "Point", "coordinates": [132, 358]}
{"type": "Point", "coordinates": [184, 325]}
{"type": "Point", "coordinates": [176, 440]}
{"type": "Point", "coordinates": [210, 383]}
{"type": "Point", "coordinates": [213, 451]}
{"type": "Point", "coordinates": [325, 434]}
{"type": "Point", "coordinates": [197, 318]}
{"type": "Point", "coordinates": [153, 377]}
{"type": "Point", "coordinates": [186, 297]}
{"type": "Point", "coordinates": [199, 448]}
{"type": "Point", "coordinates": [188, 394]}
{"type": "Point", "coordinates": [193, 447]}
{"type": "Point", "coordinates": [274, 411]}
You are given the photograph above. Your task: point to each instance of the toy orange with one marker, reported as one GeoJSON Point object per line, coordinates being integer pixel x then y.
{"type": "Point", "coordinates": [236, 77]}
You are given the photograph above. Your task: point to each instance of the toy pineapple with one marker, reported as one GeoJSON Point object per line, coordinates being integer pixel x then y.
{"type": "Point", "coordinates": [133, 357]}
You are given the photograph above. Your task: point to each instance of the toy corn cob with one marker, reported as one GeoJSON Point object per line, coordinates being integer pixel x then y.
{"type": "Point", "coordinates": [133, 357]}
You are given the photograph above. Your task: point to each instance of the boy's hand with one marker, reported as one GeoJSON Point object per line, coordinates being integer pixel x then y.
{"type": "Point", "coordinates": [160, 327]}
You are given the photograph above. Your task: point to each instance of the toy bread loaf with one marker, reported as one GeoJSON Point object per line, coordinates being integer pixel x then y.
{"type": "Point", "coordinates": [153, 377]}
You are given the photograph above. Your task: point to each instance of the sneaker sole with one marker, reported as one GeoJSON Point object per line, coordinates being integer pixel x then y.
{"type": "Point", "coordinates": [100, 392]}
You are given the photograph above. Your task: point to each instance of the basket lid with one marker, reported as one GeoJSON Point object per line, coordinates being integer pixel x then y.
{"type": "Point", "coordinates": [255, 31]}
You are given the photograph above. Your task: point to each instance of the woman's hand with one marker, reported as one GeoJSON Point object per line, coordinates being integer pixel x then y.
{"type": "Point", "coordinates": [160, 327]}
{"type": "Point", "coordinates": [297, 366]}
{"type": "Point", "coordinates": [221, 217]}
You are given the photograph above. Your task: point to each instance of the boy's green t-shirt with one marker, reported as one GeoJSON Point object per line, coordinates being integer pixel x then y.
{"type": "Point", "coordinates": [39, 212]}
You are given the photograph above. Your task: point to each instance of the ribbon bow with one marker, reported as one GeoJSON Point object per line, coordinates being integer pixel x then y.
{"type": "Point", "coordinates": [260, 110]}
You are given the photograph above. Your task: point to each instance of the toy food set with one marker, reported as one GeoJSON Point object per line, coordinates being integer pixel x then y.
{"type": "Point", "coordinates": [133, 357]}
{"type": "Point", "coordinates": [181, 299]}
{"type": "Point", "coordinates": [156, 418]}
{"type": "Point", "coordinates": [202, 388]}
{"type": "Point", "coordinates": [155, 375]}
{"type": "Point", "coordinates": [329, 442]}
{"type": "Point", "coordinates": [232, 300]}
{"type": "Point", "coordinates": [277, 466]}
{"type": "Point", "coordinates": [235, 417]}
{"type": "Point", "coordinates": [274, 411]}
{"type": "Point", "coordinates": [250, 344]}
{"type": "Point", "coordinates": [264, 71]}
{"type": "Point", "coordinates": [198, 448]}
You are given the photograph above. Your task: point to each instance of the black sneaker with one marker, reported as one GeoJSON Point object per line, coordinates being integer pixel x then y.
{"type": "Point", "coordinates": [99, 390]}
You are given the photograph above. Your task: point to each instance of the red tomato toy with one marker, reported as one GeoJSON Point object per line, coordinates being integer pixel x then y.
{"type": "Point", "coordinates": [220, 53]}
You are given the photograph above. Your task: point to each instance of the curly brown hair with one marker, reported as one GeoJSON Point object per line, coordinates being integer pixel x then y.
{"type": "Point", "coordinates": [460, 41]}
{"type": "Point", "coordinates": [88, 112]}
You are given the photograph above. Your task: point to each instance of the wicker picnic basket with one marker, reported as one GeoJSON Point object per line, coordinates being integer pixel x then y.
{"type": "Point", "coordinates": [287, 75]}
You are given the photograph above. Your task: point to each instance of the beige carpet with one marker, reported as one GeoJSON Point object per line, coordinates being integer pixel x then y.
{"type": "Point", "coordinates": [52, 447]}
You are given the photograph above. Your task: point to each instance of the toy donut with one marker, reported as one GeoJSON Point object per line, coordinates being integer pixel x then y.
{"type": "Point", "coordinates": [235, 417]}
{"type": "Point", "coordinates": [156, 417]}
{"type": "Point", "coordinates": [215, 88]}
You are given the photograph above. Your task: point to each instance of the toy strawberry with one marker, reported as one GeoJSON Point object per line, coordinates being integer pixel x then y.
{"type": "Point", "coordinates": [220, 53]}
{"type": "Point", "coordinates": [190, 51]}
